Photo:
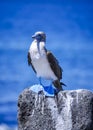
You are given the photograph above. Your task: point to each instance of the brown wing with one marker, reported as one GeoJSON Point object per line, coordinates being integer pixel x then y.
{"type": "Point", "coordinates": [30, 61]}
{"type": "Point", "coordinates": [54, 65]}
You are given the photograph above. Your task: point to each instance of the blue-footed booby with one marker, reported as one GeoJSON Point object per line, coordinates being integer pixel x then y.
{"type": "Point", "coordinates": [43, 62]}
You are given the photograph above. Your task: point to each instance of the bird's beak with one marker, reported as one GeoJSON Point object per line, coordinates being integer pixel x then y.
{"type": "Point", "coordinates": [33, 36]}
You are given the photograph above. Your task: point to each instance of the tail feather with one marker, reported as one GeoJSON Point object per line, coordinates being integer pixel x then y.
{"type": "Point", "coordinates": [58, 85]}
{"type": "Point", "coordinates": [63, 84]}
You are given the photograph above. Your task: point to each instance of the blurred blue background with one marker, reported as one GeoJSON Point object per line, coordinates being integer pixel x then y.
{"type": "Point", "coordinates": [69, 29]}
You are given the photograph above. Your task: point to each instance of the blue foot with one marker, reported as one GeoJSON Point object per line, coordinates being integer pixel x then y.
{"type": "Point", "coordinates": [49, 89]}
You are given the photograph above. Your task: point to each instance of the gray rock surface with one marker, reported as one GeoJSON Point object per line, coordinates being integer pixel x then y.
{"type": "Point", "coordinates": [70, 110]}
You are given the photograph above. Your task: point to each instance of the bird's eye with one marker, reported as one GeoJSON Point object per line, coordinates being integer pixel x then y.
{"type": "Point", "coordinates": [39, 35]}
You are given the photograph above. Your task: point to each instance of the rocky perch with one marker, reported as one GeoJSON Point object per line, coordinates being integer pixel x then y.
{"type": "Point", "coordinates": [70, 110]}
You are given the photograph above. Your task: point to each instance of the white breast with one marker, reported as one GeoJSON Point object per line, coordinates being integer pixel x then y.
{"type": "Point", "coordinates": [41, 63]}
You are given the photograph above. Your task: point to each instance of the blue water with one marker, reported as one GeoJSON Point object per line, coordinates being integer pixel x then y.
{"type": "Point", "coordinates": [69, 30]}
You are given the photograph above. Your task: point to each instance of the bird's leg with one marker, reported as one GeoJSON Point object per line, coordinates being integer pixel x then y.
{"type": "Point", "coordinates": [55, 92]}
{"type": "Point", "coordinates": [41, 91]}
{"type": "Point", "coordinates": [40, 81]}
{"type": "Point", "coordinates": [49, 89]}
{"type": "Point", "coordinates": [50, 84]}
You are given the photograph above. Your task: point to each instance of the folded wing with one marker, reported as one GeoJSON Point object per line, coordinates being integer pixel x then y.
{"type": "Point", "coordinates": [30, 61]}
{"type": "Point", "coordinates": [54, 65]}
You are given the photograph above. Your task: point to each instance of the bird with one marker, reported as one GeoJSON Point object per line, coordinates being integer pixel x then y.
{"type": "Point", "coordinates": [43, 62]}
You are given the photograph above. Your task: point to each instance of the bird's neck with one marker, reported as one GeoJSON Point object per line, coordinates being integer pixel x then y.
{"type": "Point", "coordinates": [37, 46]}
{"type": "Point", "coordinates": [40, 46]}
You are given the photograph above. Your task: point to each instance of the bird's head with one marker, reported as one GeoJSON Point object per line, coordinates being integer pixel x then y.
{"type": "Point", "coordinates": [39, 36]}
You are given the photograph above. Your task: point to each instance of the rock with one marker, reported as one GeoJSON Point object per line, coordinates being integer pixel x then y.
{"type": "Point", "coordinates": [70, 110]}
